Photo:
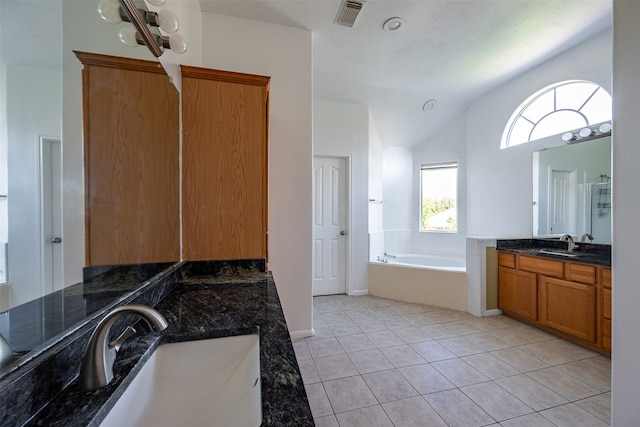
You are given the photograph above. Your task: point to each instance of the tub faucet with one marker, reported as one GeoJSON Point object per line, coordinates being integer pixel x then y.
{"type": "Point", "coordinates": [97, 362]}
{"type": "Point", "coordinates": [389, 255]}
{"type": "Point", "coordinates": [570, 244]}
{"type": "Point", "coordinates": [586, 236]}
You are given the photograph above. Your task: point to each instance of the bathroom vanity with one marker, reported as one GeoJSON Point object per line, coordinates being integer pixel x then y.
{"type": "Point", "coordinates": [200, 300]}
{"type": "Point", "coordinates": [562, 292]}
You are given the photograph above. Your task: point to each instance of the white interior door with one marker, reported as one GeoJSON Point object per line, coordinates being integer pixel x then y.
{"type": "Point", "coordinates": [51, 213]}
{"type": "Point", "coordinates": [562, 202]}
{"type": "Point", "coordinates": [329, 225]}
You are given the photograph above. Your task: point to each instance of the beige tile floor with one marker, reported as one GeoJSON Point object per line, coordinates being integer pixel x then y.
{"type": "Point", "coordinates": [379, 362]}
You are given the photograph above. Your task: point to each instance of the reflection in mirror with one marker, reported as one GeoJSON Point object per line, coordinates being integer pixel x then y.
{"type": "Point", "coordinates": [42, 200]}
{"type": "Point", "coordinates": [572, 191]}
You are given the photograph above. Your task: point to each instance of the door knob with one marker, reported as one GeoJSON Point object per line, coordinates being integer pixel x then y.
{"type": "Point", "coordinates": [56, 240]}
{"type": "Point", "coordinates": [342, 233]}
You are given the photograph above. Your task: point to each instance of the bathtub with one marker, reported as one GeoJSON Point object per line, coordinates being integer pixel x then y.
{"type": "Point", "coordinates": [423, 279]}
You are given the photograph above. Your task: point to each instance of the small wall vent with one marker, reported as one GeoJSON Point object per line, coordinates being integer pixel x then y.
{"type": "Point", "coordinates": [349, 12]}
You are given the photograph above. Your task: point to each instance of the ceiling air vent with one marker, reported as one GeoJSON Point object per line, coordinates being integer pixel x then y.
{"type": "Point", "coordinates": [349, 12]}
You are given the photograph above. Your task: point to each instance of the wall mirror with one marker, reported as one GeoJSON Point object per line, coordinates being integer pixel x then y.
{"type": "Point", "coordinates": [42, 187]}
{"type": "Point", "coordinates": [572, 191]}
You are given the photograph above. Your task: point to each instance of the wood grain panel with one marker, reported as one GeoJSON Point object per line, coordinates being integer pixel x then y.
{"type": "Point", "coordinates": [606, 303]}
{"type": "Point", "coordinates": [568, 306]}
{"type": "Point", "coordinates": [580, 273]}
{"type": "Point", "coordinates": [518, 292]}
{"type": "Point", "coordinates": [606, 277]}
{"type": "Point", "coordinates": [606, 334]}
{"type": "Point", "coordinates": [131, 163]}
{"type": "Point", "coordinates": [506, 259]}
{"type": "Point", "coordinates": [541, 265]}
{"type": "Point", "coordinates": [224, 205]}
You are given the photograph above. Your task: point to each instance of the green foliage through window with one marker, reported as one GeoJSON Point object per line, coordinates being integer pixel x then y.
{"type": "Point", "coordinates": [438, 184]}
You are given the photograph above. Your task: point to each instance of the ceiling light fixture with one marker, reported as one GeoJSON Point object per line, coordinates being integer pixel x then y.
{"type": "Point", "coordinates": [392, 25]}
{"type": "Point", "coordinates": [429, 105]}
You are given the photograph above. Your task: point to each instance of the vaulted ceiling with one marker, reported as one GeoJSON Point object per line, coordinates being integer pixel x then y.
{"type": "Point", "coordinates": [452, 51]}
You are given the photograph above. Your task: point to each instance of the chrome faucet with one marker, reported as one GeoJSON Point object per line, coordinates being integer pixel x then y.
{"type": "Point", "coordinates": [97, 362]}
{"type": "Point", "coordinates": [586, 236]}
{"type": "Point", "coordinates": [389, 255]}
{"type": "Point", "coordinates": [570, 245]}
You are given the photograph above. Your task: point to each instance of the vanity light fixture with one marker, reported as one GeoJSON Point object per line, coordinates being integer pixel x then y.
{"type": "Point", "coordinates": [587, 133]}
{"type": "Point", "coordinates": [146, 25]}
{"type": "Point", "coordinates": [393, 25]}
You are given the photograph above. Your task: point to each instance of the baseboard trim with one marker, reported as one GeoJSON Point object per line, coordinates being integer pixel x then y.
{"type": "Point", "coordinates": [359, 293]}
{"type": "Point", "coordinates": [296, 335]}
{"type": "Point", "coordinates": [492, 312]}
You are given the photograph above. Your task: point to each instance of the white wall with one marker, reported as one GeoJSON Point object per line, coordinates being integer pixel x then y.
{"type": "Point", "coordinates": [499, 182]}
{"type": "Point", "coordinates": [446, 145]}
{"type": "Point", "coordinates": [343, 129]}
{"type": "Point", "coordinates": [266, 49]}
{"type": "Point", "coordinates": [33, 111]}
{"type": "Point", "coordinates": [397, 208]}
{"type": "Point", "coordinates": [376, 233]}
{"type": "Point", "coordinates": [626, 205]}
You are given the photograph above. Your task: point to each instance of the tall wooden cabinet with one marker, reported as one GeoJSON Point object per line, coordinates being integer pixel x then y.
{"type": "Point", "coordinates": [224, 164]}
{"type": "Point", "coordinates": [131, 152]}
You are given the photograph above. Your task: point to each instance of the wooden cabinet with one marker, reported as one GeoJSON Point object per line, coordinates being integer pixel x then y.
{"type": "Point", "coordinates": [224, 164]}
{"type": "Point", "coordinates": [568, 298]}
{"type": "Point", "coordinates": [568, 306]}
{"type": "Point", "coordinates": [606, 308]}
{"type": "Point", "coordinates": [518, 292]}
{"type": "Point", "coordinates": [131, 154]}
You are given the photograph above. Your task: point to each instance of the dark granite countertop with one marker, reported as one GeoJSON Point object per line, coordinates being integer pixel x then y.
{"type": "Point", "coordinates": [587, 253]}
{"type": "Point", "coordinates": [210, 299]}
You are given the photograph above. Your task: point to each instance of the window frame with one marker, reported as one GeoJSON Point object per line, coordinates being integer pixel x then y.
{"type": "Point", "coordinates": [438, 166]}
{"type": "Point", "coordinates": [520, 112]}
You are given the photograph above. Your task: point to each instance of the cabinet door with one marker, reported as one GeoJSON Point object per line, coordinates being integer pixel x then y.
{"type": "Point", "coordinates": [569, 307]}
{"type": "Point", "coordinates": [224, 172]}
{"type": "Point", "coordinates": [131, 150]}
{"type": "Point", "coordinates": [518, 292]}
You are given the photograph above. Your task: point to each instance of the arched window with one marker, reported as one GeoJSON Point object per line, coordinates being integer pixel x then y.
{"type": "Point", "coordinates": [556, 109]}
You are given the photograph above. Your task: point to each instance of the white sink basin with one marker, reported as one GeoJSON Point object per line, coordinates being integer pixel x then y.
{"type": "Point", "coordinates": [214, 382]}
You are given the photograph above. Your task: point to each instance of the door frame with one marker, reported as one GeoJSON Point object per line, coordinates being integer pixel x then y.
{"type": "Point", "coordinates": [43, 142]}
{"type": "Point", "coordinates": [348, 210]}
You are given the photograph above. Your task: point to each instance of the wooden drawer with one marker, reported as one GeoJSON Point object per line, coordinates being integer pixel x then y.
{"type": "Point", "coordinates": [606, 333]}
{"type": "Point", "coordinates": [506, 260]}
{"type": "Point", "coordinates": [580, 273]}
{"type": "Point", "coordinates": [606, 303]}
{"type": "Point", "coordinates": [541, 265]}
{"type": "Point", "coordinates": [606, 277]}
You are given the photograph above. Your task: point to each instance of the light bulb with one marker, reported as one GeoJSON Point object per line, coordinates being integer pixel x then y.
{"type": "Point", "coordinates": [109, 11]}
{"type": "Point", "coordinates": [568, 136]}
{"type": "Point", "coordinates": [129, 36]}
{"type": "Point", "coordinates": [157, 2]}
{"type": "Point", "coordinates": [177, 43]}
{"type": "Point", "coordinates": [585, 132]}
{"type": "Point", "coordinates": [605, 128]}
{"type": "Point", "coordinates": [168, 22]}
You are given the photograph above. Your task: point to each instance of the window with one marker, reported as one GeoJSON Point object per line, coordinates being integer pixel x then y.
{"type": "Point", "coordinates": [438, 197]}
{"type": "Point", "coordinates": [556, 109]}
